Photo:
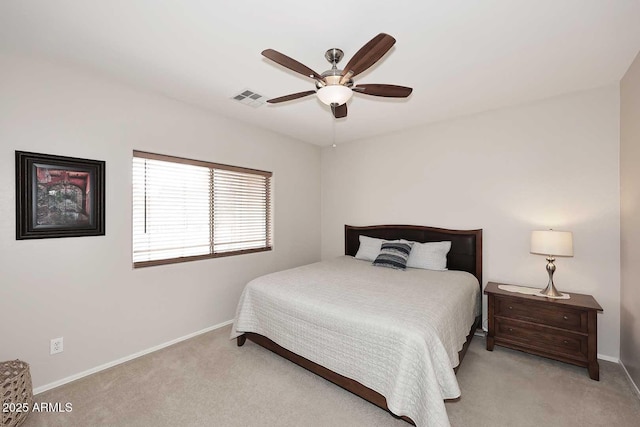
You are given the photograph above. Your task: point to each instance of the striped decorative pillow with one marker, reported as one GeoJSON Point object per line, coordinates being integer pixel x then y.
{"type": "Point", "coordinates": [394, 255]}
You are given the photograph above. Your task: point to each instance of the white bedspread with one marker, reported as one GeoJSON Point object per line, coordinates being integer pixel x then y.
{"type": "Point", "coordinates": [396, 332]}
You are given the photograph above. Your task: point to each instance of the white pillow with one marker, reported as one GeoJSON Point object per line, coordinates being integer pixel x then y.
{"type": "Point", "coordinates": [369, 248]}
{"type": "Point", "coordinates": [429, 256]}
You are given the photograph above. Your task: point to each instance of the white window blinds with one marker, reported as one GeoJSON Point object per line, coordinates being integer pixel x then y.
{"type": "Point", "coordinates": [187, 209]}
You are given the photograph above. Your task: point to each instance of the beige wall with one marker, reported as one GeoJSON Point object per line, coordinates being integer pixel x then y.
{"type": "Point", "coordinates": [630, 220]}
{"type": "Point", "coordinates": [85, 289]}
{"type": "Point", "coordinates": [552, 163]}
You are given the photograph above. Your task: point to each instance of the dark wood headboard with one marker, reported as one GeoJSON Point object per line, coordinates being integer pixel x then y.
{"type": "Point", "coordinates": [466, 245]}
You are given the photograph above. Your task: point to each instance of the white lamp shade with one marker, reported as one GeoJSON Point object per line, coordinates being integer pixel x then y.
{"type": "Point", "coordinates": [549, 242]}
{"type": "Point", "coordinates": [334, 94]}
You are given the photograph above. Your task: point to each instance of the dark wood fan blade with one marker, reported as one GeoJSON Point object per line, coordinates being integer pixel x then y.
{"type": "Point", "coordinates": [291, 64]}
{"type": "Point", "coordinates": [388, 91]}
{"type": "Point", "coordinates": [291, 97]}
{"type": "Point", "coordinates": [369, 54]}
{"type": "Point", "coordinates": [339, 111]}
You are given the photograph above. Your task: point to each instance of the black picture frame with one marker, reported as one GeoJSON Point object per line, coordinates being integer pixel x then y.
{"type": "Point", "coordinates": [58, 196]}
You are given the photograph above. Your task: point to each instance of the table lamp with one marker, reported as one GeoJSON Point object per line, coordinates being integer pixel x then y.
{"type": "Point", "coordinates": [552, 244]}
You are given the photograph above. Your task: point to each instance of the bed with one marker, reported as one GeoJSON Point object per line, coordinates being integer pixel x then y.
{"type": "Point", "coordinates": [394, 338]}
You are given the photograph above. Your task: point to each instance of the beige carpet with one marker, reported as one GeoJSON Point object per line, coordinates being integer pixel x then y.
{"type": "Point", "coordinates": [208, 381]}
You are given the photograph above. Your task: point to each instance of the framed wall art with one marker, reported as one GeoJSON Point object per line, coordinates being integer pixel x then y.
{"type": "Point", "coordinates": [58, 196]}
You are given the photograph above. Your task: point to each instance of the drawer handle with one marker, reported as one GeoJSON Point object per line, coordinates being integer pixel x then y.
{"type": "Point", "coordinates": [510, 308]}
{"type": "Point", "coordinates": [565, 342]}
{"type": "Point", "coordinates": [565, 317]}
{"type": "Point", "coordinates": [510, 329]}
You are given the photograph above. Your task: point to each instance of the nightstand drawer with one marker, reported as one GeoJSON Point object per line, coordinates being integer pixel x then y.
{"type": "Point", "coordinates": [546, 313]}
{"type": "Point", "coordinates": [547, 339]}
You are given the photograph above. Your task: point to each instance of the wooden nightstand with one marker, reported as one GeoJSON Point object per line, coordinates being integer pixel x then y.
{"type": "Point", "coordinates": [560, 329]}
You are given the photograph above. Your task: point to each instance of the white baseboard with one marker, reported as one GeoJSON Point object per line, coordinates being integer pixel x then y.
{"type": "Point", "coordinates": [608, 358]}
{"type": "Point", "coordinates": [82, 374]}
{"type": "Point", "coordinates": [107, 365]}
{"type": "Point", "coordinates": [635, 386]}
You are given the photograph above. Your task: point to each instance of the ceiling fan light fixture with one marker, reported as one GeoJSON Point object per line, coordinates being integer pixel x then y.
{"type": "Point", "coordinates": [334, 94]}
{"type": "Point", "coordinates": [333, 87]}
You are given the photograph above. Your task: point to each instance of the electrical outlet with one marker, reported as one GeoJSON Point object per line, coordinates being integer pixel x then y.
{"type": "Point", "coordinates": [56, 345]}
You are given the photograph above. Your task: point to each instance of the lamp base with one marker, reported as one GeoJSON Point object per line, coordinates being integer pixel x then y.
{"type": "Point", "coordinates": [564, 296]}
{"type": "Point", "coordinates": [551, 291]}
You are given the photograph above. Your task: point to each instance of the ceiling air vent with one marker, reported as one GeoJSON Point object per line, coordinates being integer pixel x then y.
{"type": "Point", "coordinates": [249, 97]}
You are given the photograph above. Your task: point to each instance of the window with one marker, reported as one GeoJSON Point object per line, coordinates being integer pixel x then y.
{"type": "Point", "coordinates": [186, 210]}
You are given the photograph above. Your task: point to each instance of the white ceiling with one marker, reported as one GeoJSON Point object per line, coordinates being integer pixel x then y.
{"type": "Point", "coordinates": [460, 57]}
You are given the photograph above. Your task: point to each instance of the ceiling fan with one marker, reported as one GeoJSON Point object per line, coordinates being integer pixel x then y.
{"type": "Point", "coordinates": [335, 87]}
